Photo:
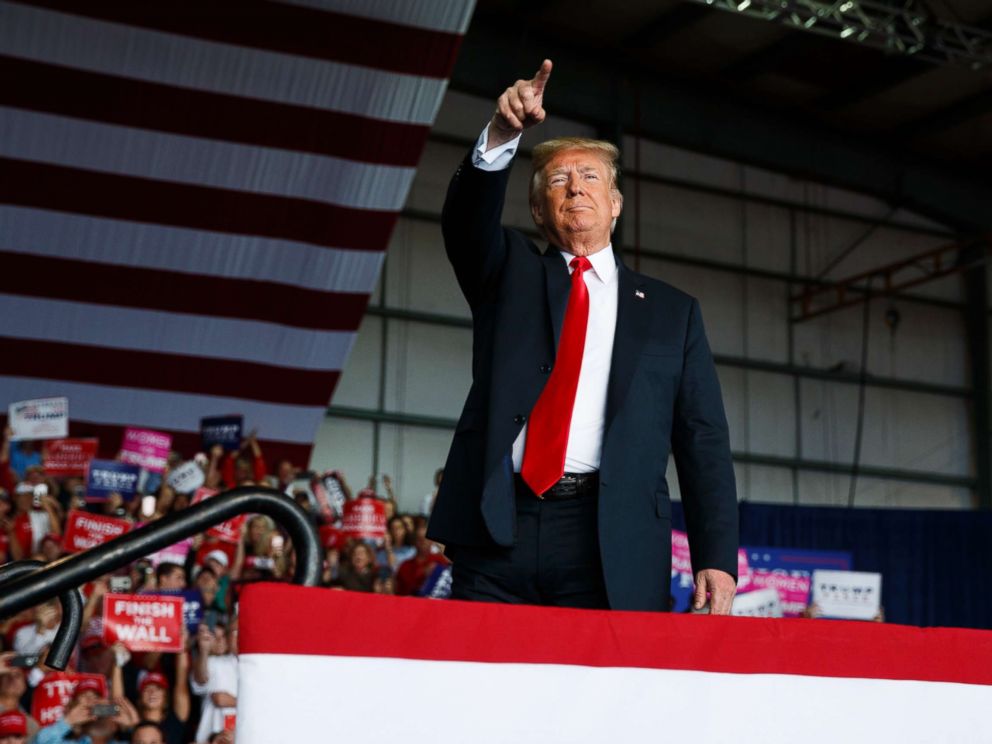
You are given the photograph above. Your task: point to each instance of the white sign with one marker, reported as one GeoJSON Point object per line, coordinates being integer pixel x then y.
{"type": "Point", "coordinates": [760, 603]}
{"type": "Point", "coordinates": [44, 418]}
{"type": "Point", "coordinates": [853, 595]}
{"type": "Point", "coordinates": [186, 478]}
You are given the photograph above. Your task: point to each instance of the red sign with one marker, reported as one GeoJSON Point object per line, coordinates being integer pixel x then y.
{"type": "Point", "coordinates": [55, 691]}
{"type": "Point", "coordinates": [84, 530]}
{"type": "Point", "coordinates": [331, 537]}
{"type": "Point", "coordinates": [143, 622]}
{"type": "Point", "coordinates": [229, 531]}
{"type": "Point", "coordinates": [365, 518]}
{"type": "Point", "coordinates": [69, 458]}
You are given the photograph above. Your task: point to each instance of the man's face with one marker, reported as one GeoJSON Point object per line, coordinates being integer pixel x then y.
{"type": "Point", "coordinates": [576, 206]}
{"type": "Point", "coordinates": [13, 739]}
{"type": "Point", "coordinates": [175, 579]}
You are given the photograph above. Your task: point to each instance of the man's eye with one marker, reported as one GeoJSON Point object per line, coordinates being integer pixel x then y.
{"type": "Point", "coordinates": [557, 181]}
{"type": "Point", "coordinates": [592, 176]}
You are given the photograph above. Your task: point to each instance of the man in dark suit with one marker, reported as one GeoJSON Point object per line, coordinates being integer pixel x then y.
{"type": "Point", "coordinates": [586, 376]}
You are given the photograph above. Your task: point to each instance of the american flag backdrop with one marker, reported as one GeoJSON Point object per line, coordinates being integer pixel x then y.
{"type": "Point", "coordinates": [195, 198]}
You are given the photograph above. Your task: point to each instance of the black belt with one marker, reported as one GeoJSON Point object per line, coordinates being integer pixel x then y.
{"type": "Point", "coordinates": [570, 486]}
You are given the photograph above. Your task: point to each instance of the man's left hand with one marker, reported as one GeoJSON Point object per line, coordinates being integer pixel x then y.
{"type": "Point", "coordinates": [720, 586]}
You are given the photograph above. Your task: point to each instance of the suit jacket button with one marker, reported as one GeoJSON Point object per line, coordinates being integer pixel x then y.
{"type": "Point", "coordinates": [545, 368]}
{"type": "Point", "coordinates": [519, 418]}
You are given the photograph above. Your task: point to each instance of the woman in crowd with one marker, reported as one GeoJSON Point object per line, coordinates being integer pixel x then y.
{"type": "Point", "coordinates": [359, 572]}
{"type": "Point", "coordinates": [397, 546]}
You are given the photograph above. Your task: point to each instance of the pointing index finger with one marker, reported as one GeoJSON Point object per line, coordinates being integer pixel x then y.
{"type": "Point", "coordinates": [541, 77]}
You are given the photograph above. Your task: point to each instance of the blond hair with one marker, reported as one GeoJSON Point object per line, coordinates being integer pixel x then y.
{"type": "Point", "coordinates": [545, 151]}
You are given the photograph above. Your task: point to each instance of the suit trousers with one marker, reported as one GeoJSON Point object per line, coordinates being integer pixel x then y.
{"type": "Point", "coordinates": [554, 559]}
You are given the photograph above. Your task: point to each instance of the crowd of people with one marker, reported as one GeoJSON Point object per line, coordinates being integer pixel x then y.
{"type": "Point", "coordinates": [148, 697]}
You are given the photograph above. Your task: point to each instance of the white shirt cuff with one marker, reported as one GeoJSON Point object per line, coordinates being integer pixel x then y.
{"type": "Point", "coordinates": [496, 159]}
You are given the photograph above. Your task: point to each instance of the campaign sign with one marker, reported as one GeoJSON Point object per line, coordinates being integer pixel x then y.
{"type": "Point", "coordinates": [788, 563]}
{"type": "Point", "coordinates": [143, 622]}
{"type": "Point", "coordinates": [69, 458]}
{"type": "Point", "coordinates": [760, 603]}
{"type": "Point", "coordinates": [104, 477]}
{"type": "Point", "coordinates": [853, 595]}
{"type": "Point", "coordinates": [186, 478]}
{"type": "Point", "coordinates": [793, 591]}
{"type": "Point", "coordinates": [365, 518]}
{"type": "Point", "coordinates": [42, 418]}
{"type": "Point", "coordinates": [146, 448]}
{"type": "Point", "coordinates": [222, 430]}
{"type": "Point", "coordinates": [229, 531]}
{"type": "Point", "coordinates": [175, 553]}
{"type": "Point", "coordinates": [84, 530]}
{"type": "Point", "coordinates": [192, 606]}
{"type": "Point", "coordinates": [331, 537]}
{"type": "Point", "coordinates": [54, 692]}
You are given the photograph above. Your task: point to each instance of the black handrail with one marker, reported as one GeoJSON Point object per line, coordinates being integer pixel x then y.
{"type": "Point", "coordinates": [73, 571]}
{"type": "Point", "coordinates": [60, 648]}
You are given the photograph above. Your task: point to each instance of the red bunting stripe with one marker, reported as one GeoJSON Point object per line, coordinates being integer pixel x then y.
{"type": "Point", "coordinates": [361, 625]}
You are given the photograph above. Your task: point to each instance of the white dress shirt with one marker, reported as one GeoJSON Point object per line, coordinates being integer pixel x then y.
{"type": "Point", "coordinates": [585, 434]}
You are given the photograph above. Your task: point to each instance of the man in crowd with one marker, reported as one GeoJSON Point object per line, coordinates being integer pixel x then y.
{"type": "Point", "coordinates": [215, 676]}
{"type": "Point", "coordinates": [586, 375]}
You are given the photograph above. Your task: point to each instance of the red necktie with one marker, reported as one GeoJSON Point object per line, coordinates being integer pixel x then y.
{"type": "Point", "coordinates": [547, 430]}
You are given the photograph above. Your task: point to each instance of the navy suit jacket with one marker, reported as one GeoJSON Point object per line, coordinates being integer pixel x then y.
{"type": "Point", "coordinates": [663, 397]}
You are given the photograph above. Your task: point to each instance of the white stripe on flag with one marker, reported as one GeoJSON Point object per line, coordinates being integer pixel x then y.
{"type": "Point", "coordinates": [41, 232]}
{"type": "Point", "coordinates": [231, 339]}
{"type": "Point", "coordinates": [153, 409]}
{"type": "Point", "coordinates": [109, 148]}
{"type": "Point", "coordinates": [284, 697]}
{"type": "Point", "coordinates": [143, 54]}
{"type": "Point", "coordinates": [437, 15]}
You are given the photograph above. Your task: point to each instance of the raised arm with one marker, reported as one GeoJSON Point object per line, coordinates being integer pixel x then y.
{"type": "Point", "coordinates": [473, 236]}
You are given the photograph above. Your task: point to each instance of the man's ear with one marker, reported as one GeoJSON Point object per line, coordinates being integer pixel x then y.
{"type": "Point", "coordinates": [616, 203]}
{"type": "Point", "coordinates": [537, 213]}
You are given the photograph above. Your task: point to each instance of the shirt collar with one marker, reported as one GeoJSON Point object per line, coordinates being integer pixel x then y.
{"type": "Point", "coordinates": [603, 262]}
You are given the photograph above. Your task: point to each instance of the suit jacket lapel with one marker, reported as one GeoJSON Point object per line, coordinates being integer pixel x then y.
{"type": "Point", "coordinates": [558, 286]}
{"type": "Point", "coordinates": [631, 332]}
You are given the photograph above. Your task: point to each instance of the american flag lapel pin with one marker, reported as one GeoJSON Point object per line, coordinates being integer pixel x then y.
{"type": "Point", "coordinates": [638, 294]}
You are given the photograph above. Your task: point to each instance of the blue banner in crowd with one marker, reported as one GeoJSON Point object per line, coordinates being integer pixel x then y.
{"type": "Point", "coordinates": [192, 605]}
{"type": "Point", "coordinates": [798, 562]}
{"type": "Point", "coordinates": [107, 476]}
{"type": "Point", "coordinates": [222, 430]}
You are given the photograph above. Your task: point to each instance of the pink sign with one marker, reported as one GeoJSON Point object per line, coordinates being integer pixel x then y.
{"type": "Point", "coordinates": [681, 561]}
{"type": "Point", "coordinates": [146, 448]}
{"type": "Point", "coordinates": [793, 591]}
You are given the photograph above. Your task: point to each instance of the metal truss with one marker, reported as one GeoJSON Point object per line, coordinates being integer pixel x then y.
{"type": "Point", "coordinates": [907, 28]}
{"type": "Point", "coordinates": [954, 258]}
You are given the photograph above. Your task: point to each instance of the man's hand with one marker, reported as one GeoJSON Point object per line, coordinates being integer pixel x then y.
{"type": "Point", "coordinates": [521, 106]}
{"type": "Point", "coordinates": [720, 586]}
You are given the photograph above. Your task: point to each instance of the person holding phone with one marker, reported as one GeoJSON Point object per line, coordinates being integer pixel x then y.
{"type": "Point", "coordinates": [89, 718]}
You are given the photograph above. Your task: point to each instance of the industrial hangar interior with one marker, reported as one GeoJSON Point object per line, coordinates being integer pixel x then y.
{"type": "Point", "coordinates": [826, 199]}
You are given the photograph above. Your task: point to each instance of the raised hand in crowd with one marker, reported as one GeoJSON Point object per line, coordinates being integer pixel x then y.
{"type": "Point", "coordinates": [127, 715]}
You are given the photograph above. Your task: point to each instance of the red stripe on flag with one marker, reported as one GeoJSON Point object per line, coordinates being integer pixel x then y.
{"type": "Point", "coordinates": [187, 205]}
{"type": "Point", "coordinates": [90, 95]}
{"type": "Point", "coordinates": [279, 619]}
{"type": "Point", "coordinates": [148, 370]}
{"type": "Point", "coordinates": [285, 28]}
{"type": "Point", "coordinates": [186, 442]}
{"type": "Point", "coordinates": [155, 289]}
